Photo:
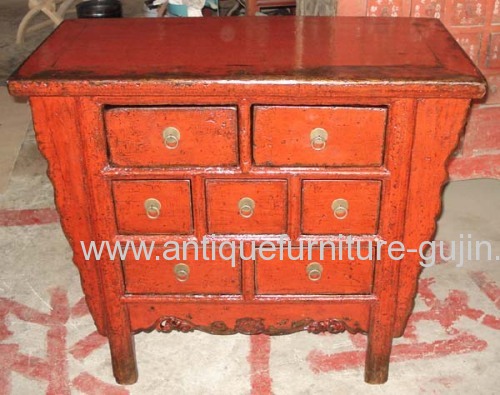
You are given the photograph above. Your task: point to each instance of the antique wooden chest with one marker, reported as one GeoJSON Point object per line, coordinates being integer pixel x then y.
{"type": "Point", "coordinates": [325, 132]}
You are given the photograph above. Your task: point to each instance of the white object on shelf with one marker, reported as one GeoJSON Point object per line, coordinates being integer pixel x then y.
{"type": "Point", "coordinates": [193, 6]}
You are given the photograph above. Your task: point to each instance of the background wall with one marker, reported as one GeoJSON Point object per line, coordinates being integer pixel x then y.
{"type": "Point", "coordinates": [475, 24]}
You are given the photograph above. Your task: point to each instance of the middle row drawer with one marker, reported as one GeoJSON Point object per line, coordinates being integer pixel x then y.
{"type": "Point", "coordinates": [247, 207]}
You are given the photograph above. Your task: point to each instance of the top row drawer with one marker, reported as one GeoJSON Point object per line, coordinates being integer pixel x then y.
{"type": "Point", "coordinates": [172, 136]}
{"type": "Point", "coordinates": [282, 136]}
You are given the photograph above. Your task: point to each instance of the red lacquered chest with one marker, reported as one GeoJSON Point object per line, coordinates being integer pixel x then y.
{"type": "Point", "coordinates": [259, 130]}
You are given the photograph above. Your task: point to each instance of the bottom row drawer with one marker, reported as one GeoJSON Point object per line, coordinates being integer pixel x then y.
{"type": "Point", "coordinates": [272, 277]}
{"type": "Point", "coordinates": [192, 275]}
{"type": "Point", "coordinates": [315, 275]}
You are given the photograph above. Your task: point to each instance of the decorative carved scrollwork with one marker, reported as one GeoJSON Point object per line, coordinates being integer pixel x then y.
{"type": "Point", "coordinates": [331, 326]}
{"type": "Point", "coordinates": [255, 326]}
{"type": "Point", "coordinates": [169, 324]}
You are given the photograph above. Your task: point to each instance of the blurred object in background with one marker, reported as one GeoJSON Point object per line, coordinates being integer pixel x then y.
{"type": "Point", "coordinates": [99, 9]}
{"type": "Point", "coordinates": [316, 7]}
{"type": "Point", "coordinates": [185, 8]}
{"type": "Point", "coordinates": [263, 7]}
{"type": "Point", "coordinates": [53, 9]}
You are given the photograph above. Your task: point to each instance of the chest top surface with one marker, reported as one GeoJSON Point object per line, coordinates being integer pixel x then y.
{"type": "Point", "coordinates": [279, 50]}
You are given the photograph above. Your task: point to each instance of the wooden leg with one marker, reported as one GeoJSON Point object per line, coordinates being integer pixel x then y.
{"type": "Point", "coordinates": [123, 358]}
{"type": "Point", "coordinates": [378, 354]}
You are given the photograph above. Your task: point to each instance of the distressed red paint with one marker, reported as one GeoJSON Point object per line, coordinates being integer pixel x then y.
{"type": "Point", "coordinates": [90, 385]}
{"type": "Point", "coordinates": [80, 309]}
{"type": "Point", "coordinates": [443, 251]}
{"type": "Point", "coordinates": [54, 368]}
{"type": "Point", "coordinates": [8, 353]}
{"type": "Point", "coordinates": [491, 322]}
{"type": "Point", "coordinates": [461, 344]}
{"type": "Point", "coordinates": [489, 287]}
{"type": "Point", "coordinates": [41, 216]}
{"type": "Point", "coordinates": [446, 313]}
{"type": "Point", "coordinates": [260, 350]}
{"type": "Point", "coordinates": [485, 166]}
{"type": "Point", "coordinates": [84, 347]}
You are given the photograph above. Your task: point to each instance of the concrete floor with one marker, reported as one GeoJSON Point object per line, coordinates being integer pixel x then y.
{"type": "Point", "coordinates": [48, 342]}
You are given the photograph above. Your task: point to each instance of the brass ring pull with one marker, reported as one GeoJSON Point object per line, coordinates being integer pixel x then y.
{"type": "Point", "coordinates": [153, 207]}
{"type": "Point", "coordinates": [340, 208]}
{"type": "Point", "coordinates": [314, 271]}
{"type": "Point", "coordinates": [171, 137]}
{"type": "Point", "coordinates": [181, 271]}
{"type": "Point", "coordinates": [246, 207]}
{"type": "Point", "coordinates": [318, 138]}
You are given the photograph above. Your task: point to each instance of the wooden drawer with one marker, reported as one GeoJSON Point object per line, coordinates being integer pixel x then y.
{"type": "Point", "coordinates": [172, 136]}
{"type": "Point", "coordinates": [315, 276]}
{"type": "Point", "coordinates": [240, 207]}
{"type": "Point", "coordinates": [340, 207]}
{"type": "Point", "coordinates": [186, 276]}
{"type": "Point", "coordinates": [153, 207]}
{"type": "Point", "coordinates": [318, 136]}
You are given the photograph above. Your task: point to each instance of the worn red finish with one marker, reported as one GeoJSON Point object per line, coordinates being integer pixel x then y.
{"type": "Point", "coordinates": [361, 216]}
{"type": "Point", "coordinates": [268, 216]}
{"type": "Point", "coordinates": [260, 351]}
{"type": "Point", "coordinates": [337, 277]}
{"type": "Point", "coordinates": [351, 56]}
{"type": "Point", "coordinates": [407, 76]}
{"type": "Point", "coordinates": [53, 369]}
{"type": "Point", "coordinates": [135, 136]}
{"type": "Point", "coordinates": [279, 142]}
{"type": "Point", "coordinates": [173, 217]}
{"type": "Point", "coordinates": [40, 216]}
{"type": "Point", "coordinates": [207, 276]}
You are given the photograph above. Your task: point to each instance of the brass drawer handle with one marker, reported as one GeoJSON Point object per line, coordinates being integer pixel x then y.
{"type": "Point", "coordinates": [246, 207]}
{"type": "Point", "coordinates": [181, 271]}
{"type": "Point", "coordinates": [318, 139]}
{"type": "Point", "coordinates": [171, 137]}
{"type": "Point", "coordinates": [340, 208]}
{"type": "Point", "coordinates": [314, 271]}
{"type": "Point", "coordinates": [153, 208]}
